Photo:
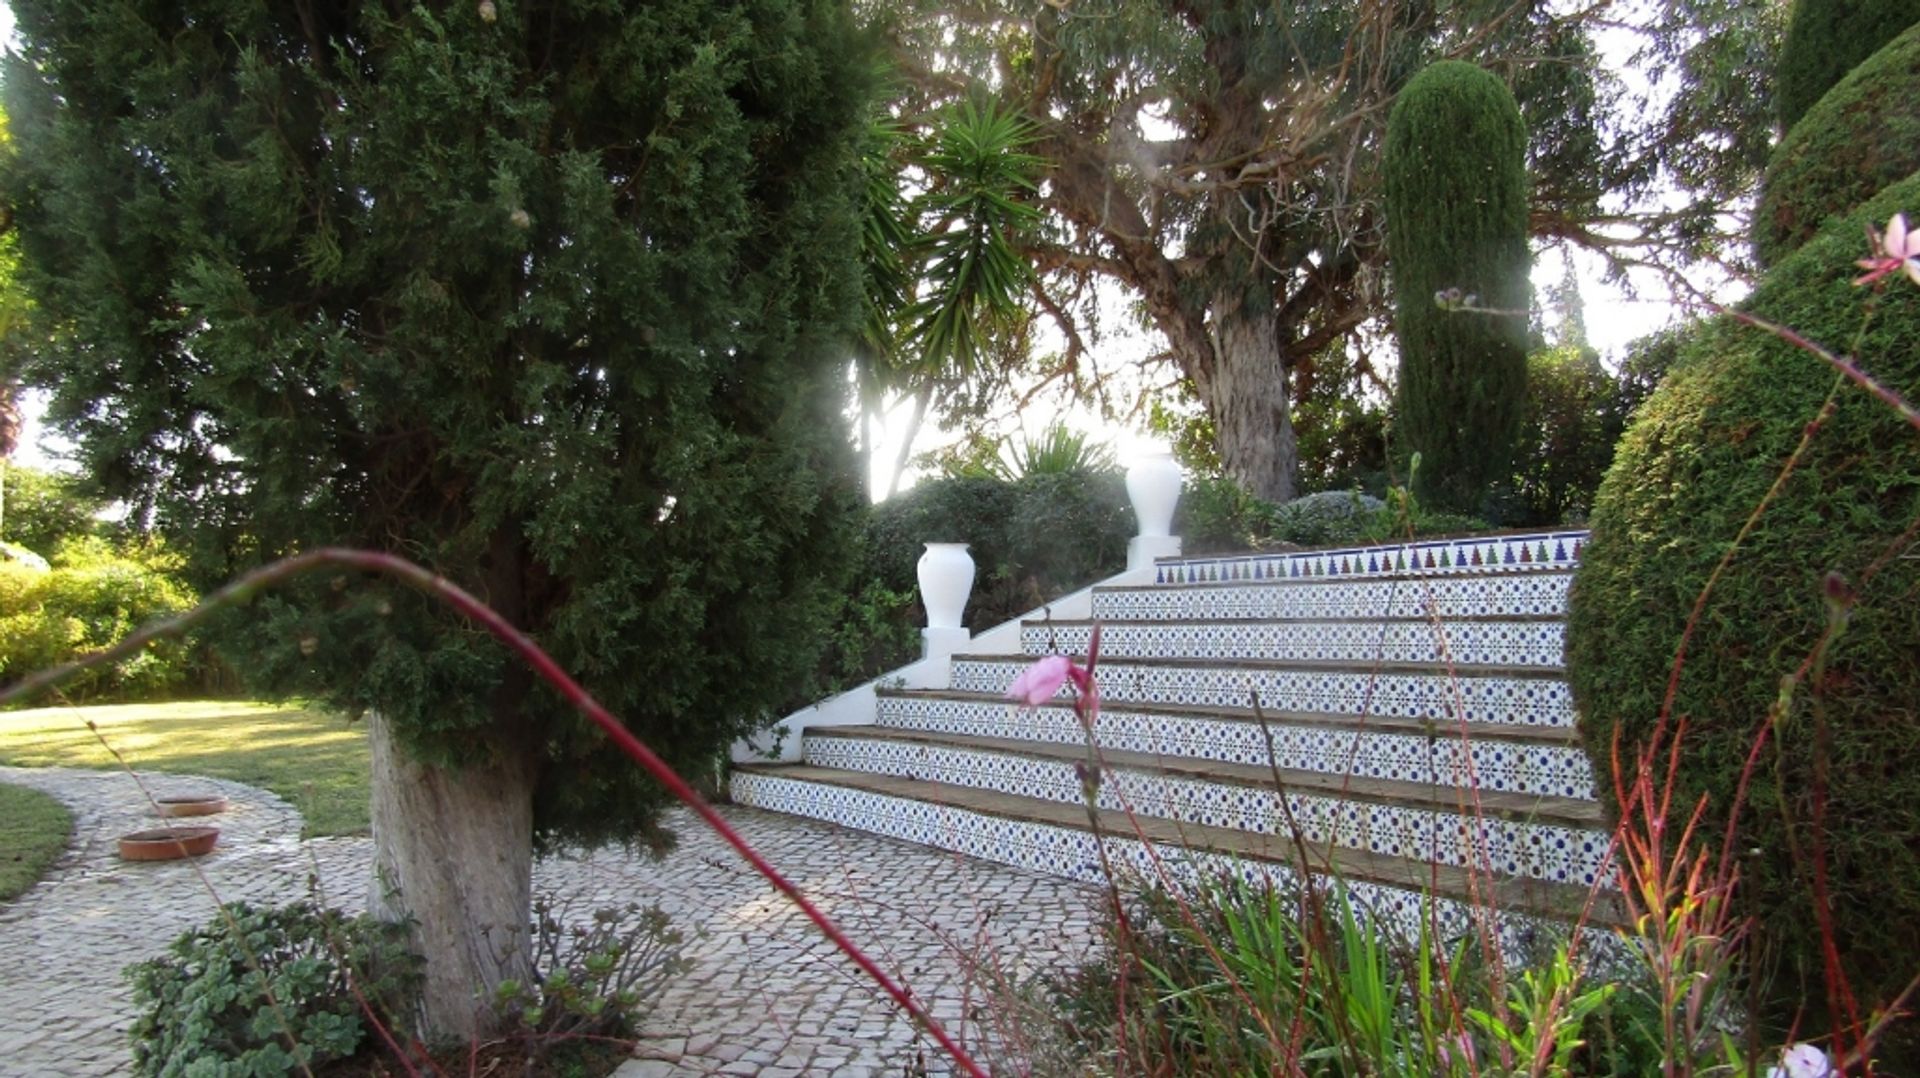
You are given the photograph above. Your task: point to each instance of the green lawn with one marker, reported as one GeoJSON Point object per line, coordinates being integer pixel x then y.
{"type": "Point", "coordinates": [33, 831]}
{"type": "Point", "coordinates": [310, 757]}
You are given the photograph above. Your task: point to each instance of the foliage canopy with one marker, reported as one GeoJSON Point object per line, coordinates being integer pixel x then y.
{"type": "Point", "coordinates": [551, 298]}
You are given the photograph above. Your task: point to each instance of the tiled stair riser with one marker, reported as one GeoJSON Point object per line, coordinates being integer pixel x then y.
{"type": "Point", "coordinates": [1069, 852]}
{"type": "Point", "coordinates": [1515, 848]}
{"type": "Point", "coordinates": [1465, 643]}
{"type": "Point", "coordinates": [1520, 701]}
{"type": "Point", "coordinates": [1561, 770]}
{"type": "Point", "coordinates": [1503, 595]}
{"type": "Point", "coordinates": [1438, 557]}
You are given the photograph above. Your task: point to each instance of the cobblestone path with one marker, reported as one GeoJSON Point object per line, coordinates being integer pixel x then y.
{"type": "Point", "coordinates": [766, 995]}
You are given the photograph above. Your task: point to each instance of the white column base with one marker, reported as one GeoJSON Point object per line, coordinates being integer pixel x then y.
{"type": "Point", "coordinates": [939, 645]}
{"type": "Point", "coordinates": [1143, 549]}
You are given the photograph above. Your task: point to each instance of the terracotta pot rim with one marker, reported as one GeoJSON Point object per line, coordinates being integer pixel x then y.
{"type": "Point", "coordinates": [191, 805]}
{"type": "Point", "coordinates": [167, 843]}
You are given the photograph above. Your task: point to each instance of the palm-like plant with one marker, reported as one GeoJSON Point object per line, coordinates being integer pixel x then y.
{"type": "Point", "coordinates": [944, 273]}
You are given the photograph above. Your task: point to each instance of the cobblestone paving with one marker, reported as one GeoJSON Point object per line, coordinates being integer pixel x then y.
{"type": "Point", "coordinates": [766, 995]}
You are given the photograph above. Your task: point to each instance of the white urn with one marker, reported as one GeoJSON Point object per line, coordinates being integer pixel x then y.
{"type": "Point", "coordinates": [1153, 485]}
{"type": "Point", "coordinates": [946, 578]}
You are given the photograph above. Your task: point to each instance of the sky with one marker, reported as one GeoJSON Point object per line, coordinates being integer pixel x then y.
{"type": "Point", "coordinates": [1613, 319]}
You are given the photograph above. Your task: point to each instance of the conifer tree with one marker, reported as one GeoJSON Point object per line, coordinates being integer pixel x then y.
{"type": "Point", "coordinates": [553, 297]}
{"type": "Point", "coordinates": [1456, 201]}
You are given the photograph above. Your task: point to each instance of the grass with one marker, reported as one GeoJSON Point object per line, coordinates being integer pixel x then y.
{"type": "Point", "coordinates": [310, 757]}
{"type": "Point", "coordinates": [33, 831]}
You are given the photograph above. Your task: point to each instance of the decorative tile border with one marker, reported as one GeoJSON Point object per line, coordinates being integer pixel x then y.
{"type": "Point", "coordinates": [1508, 595]}
{"type": "Point", "coordinates": [1072, 853]}
{"type": "Point", "coordinates": [1522, 701]}
{"type": "Point", "coordinates": [1469, 643]}
{"type": "Point", "coordinates": [1470, 554]}
{"type": "Point", "coordinates": [1510, 847]}
{"type": "Point", "coordinates": [1560, 770]}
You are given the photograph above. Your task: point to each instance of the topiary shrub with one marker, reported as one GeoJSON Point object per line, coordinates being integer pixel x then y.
{"type": "Point", "coordinates": [1701, 454]}
{"type": "Point", "coordinates": [1455, 165]}
{"type": "Point", "coordinates": [1824, 40]}
{"type": "Point", "coordinates": [1863, 135]}
{"type": "Point", "coordinates": [204, 1006]}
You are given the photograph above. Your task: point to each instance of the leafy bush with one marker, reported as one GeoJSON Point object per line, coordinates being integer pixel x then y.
{"type": "Point", "coordinates": [1032, 539]}
{"type": "Point", "coordinates": [1701, 455]}
{"type": "Point", "coordinates": [204, 1006]}
{"type": "Point", "coordinates": [43, 508]}
{"type": "Point", "coordinates": [92, 596]}
{"type": "Point", "coordinates": [596, 979]}
{"type": "Point", "coordinates": [1217, 516]}
{"type": "Point", "coordinates": [1863, 135]}
{"type": "Point", "coordinates": [1332, 516]}
{"type": "Point", "coordinates": [1574, 415]}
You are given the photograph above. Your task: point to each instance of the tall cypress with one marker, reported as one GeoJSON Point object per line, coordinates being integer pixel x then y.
{"type": "Point", "coordinates": [1825, 39]}
{"type": "Point", "coordinates": [1456, 198]}
{"type": "Point", "coordinates": [551, 296]}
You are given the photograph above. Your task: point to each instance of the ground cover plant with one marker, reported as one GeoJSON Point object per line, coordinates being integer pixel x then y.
{"type": "Point", "coordinates": [34, 828]}
{"type": "Point", "coordinates": [269, 992]}
{"type": "Point", "coordinates": [313, 758]}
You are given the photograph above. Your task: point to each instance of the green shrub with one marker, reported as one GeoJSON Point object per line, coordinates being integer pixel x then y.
{"type": "Point", "coordinates": [43, 508]}
{"type": "Point", "coordinates": [1700, 456]}
{"type": "Point", "coordinates": [1863, 135]}
{"type": "Point", "coordinates": [1327, 518]}
{"type": "Point", "coordinates": [596, 978]}
{"type": "Point", "coordinates": [1032, 539]}
{"type": "Point", "coordinates": [1574, 415]}
{"type": "Point", "coordinates": [204, 1009]}
{"type": "Point", "coordinates": [1217, 515]}
{"type": "Point", "coordinates": [1456, 201]}
{"type": "Point", "coordinates": [92, 596]}
{"type": "Point", "coordinates": [1825, 40]}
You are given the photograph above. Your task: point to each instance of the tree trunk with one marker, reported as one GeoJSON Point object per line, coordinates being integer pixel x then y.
{"type": "Point", "coordinates": [1243, 384]}
{"type": "Point", "coordinates": [453, 849]}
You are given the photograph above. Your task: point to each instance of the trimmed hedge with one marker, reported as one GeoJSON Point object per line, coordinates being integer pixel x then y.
{"type": "Point", "coordinates": [1825, 40]}
{"type": "Point", "coordinates": [1700, 456]}
{"type": "Point", "coordinates": [1863, 135]}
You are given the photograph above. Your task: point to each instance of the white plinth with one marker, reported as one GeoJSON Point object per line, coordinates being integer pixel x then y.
{"type": "Point", "coordinates": [1143, 549]}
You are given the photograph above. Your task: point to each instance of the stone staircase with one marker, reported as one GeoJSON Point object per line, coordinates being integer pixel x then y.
{"type": "Point", "coordinates": [1401, 706]}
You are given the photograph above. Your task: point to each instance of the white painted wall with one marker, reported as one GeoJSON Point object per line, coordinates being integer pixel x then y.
{"type": "Point", "coordinates": [859, 706]}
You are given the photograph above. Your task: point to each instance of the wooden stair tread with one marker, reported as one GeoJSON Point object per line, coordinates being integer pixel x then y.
{"type": "Point", "coordinates": [1567, 811]}
{"type": "Point", "coordinates": [1392, 724]}
{"type": "Point", "coordinates": [1462, 670]}
{"type": "Point", "coordinates": [1557, 900]}
{"type": "Point", "coordinates": [1479, 573]}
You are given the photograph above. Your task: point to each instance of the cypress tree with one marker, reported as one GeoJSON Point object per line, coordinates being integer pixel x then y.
{"type": "Point", "coordinates": [1456, 197]}
{"type": "Point", "coordinates": [1825, 39]}
{"type": "Point", "coordinates": [1862, 135]}
{"type": "Point", "coordinates": [552, 297]}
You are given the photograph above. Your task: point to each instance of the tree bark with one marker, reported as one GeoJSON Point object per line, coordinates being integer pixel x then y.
{"type": "Point", "coordinates": [1239, 373]}
{"type": "Point", "coordinates": [453, 850]}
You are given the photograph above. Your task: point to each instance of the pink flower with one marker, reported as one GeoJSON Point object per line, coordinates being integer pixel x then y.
{"type": "Point", "coordinates": [1037, 683]}
{"type": "Point", "coordinates": [1803, 1060]}
{"type": "Point", "coordinates": [1897, 250]}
